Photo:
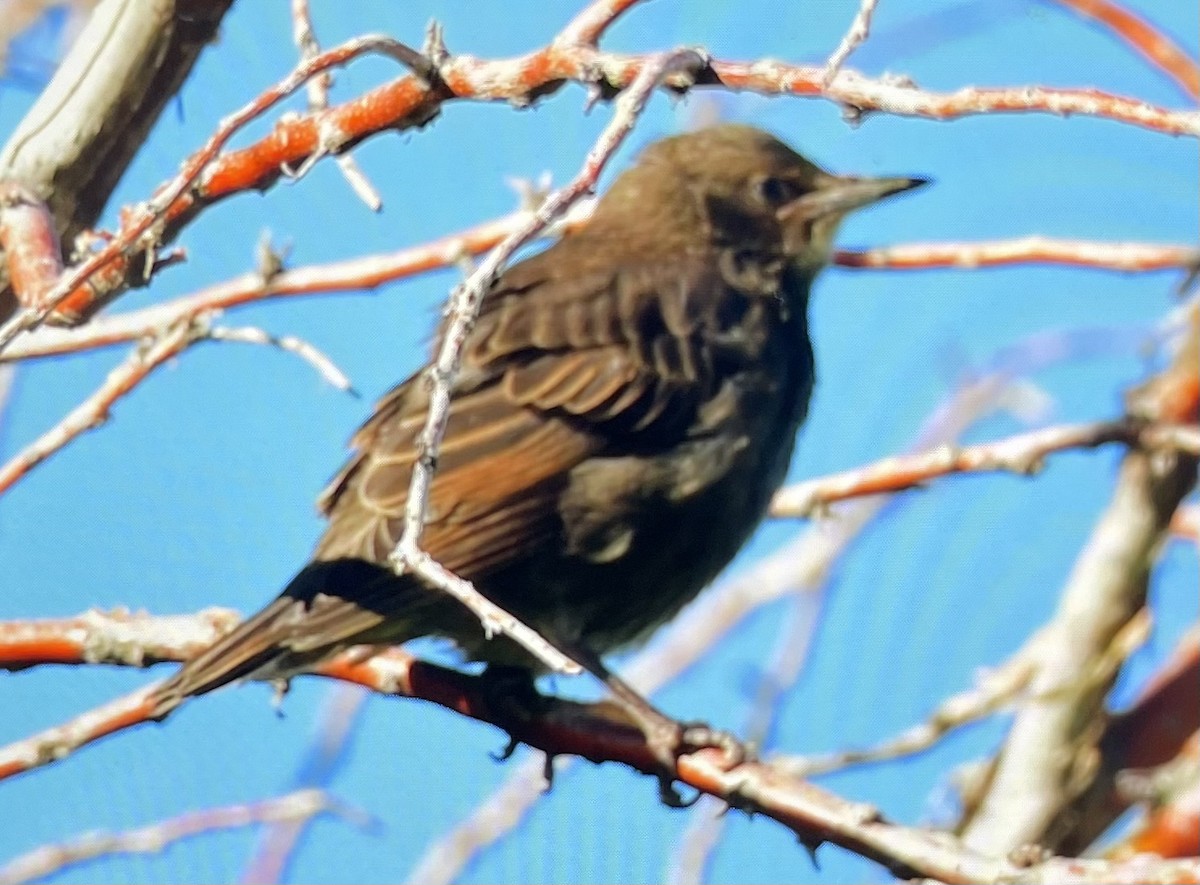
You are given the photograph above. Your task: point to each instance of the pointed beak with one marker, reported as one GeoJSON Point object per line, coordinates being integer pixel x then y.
{"type": "Point", "coordinates": [837, 195]}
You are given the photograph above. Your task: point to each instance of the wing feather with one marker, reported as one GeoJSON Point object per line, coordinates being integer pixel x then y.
{"type": "Point", "coordinates": [559, 369]}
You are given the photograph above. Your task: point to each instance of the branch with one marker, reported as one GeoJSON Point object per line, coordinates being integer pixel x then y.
{"type": "Point", "coordinates": [1171, 793]}
{"type": "Point", "coordinates": [557, 726]}
{"type": "Point", "coordinates": [329, 371]}
{"type": "Point", "coordinates": [318, 100]}
{"type": "Point", "coordinates": [463, 308]}
{"type": "Point", "coordinates": [589, 26]}
{"type": "Point", "coordinates": [92, 280]}
{"type": "Point", "coordinates": [340, 717]}
{"type": "Point", "coordinates": [75, 143]}
{"type": "Point", "coordinates": [815, 815]}
{"type": "Point", "coordinates": [1049, 756]}
{"type": "Point", "coordinates": [861, 94]}
{"type": "Point", "coordinates": [1156, 730]}
{"type": "Point", "coordinates": [1023, 454]}
{"type": "Point", "coordinates": [301, 805]}
{"type": "Point", "coordinates": [1121, 256]}
{"type": "Point", "coordinates": [93, 411]}
{"type": "Point", "coordinates": [860, 29]}
{"type": "Point", "coordinates": [354, 274]}
{"type": "Point", "coordinates": [1151, 43]}
{"type": "Point", "coordinates": [414, 100]}
{"type": "Point", "coordinates": [372, 271]}
{"type": "Point", "coordinates": [114, 637]}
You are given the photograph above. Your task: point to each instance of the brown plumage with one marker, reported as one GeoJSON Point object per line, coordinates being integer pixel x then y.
{"type": "Point", "coordinates": [627, 406]}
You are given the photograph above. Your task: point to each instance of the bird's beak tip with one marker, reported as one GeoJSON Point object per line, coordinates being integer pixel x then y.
{"type": "Point", "coordinates": [886, 187]}
{"type": "Point", "coordinates": [912, 182]}
{"type": "Point", "coordinates": [840, 195]}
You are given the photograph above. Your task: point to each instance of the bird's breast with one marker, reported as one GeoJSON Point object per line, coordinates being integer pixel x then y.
{"type": "Point", "coordinates": [642, 534]}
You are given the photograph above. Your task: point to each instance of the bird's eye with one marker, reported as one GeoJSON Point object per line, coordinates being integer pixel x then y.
{"type": "Point", "coordinates": [776, 191]}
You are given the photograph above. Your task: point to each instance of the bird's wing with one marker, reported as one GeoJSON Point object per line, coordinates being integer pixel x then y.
{"type": "Point", "coordinates": [602, 362]}
{"type": "Point", "coordinates": [598, 363]}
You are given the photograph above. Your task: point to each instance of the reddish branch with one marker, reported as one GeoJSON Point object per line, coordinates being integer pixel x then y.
{"type": "Point", "coordinates": [1150, 42]}
{"type": "Point", "coordinates": [585, 730]}
{"type": "Point", "coordinates": [100, 274]}
{"type": "Point", "coordinates": [1155, 732]}
{"type": "Point", "coordinates": [125, 64]}
{"type": "Point", "coordinates": [589, 26]}
{"type": "Point", "coordinates": [115, 637]}
{"type": "Point", "coordinates": [209, 176]}
{"type": "Point", "coordinates": [29, 242]}
{"type": "Point", "coordinates": [1171, 828]}
{"type": "Point", "coordinates": [372, 271]}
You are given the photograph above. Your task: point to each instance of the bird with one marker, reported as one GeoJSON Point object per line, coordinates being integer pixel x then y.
{"type": "Point", "coordinates": [627, 405]}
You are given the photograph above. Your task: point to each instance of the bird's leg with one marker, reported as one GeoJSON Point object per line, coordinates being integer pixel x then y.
{"type": "Point", "coordinates": [514, 692]}
{"type": "Point", "coordinates": [667, 738]}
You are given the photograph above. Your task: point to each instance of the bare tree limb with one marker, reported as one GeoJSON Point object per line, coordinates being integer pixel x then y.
{"type": "Point", "coordinates": [78, 139]}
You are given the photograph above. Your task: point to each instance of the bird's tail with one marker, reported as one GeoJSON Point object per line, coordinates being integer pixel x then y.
{"type": "Point", "coordinates": [251, 647]}
{"type": "Point", "coordinates": [326, 608]}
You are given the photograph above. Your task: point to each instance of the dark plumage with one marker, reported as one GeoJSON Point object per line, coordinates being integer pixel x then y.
{"type": "Point", "coordinates": [627, 406]}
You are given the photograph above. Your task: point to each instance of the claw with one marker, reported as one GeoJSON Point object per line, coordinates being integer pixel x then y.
{"type": "Point", "coordinates": [670, 796]}
{"type": "Point", "coordinates": [507, 753]}
{"type": "Point", "coordinates": [700, 736]}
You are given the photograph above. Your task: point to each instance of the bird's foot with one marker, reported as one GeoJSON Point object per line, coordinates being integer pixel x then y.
{"type": "Point", "coordinates": [669, 739]}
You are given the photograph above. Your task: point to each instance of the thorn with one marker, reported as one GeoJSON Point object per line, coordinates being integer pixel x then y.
{"type": "Point", "coordinates": [279, 692]}
{"type": "Point", "coordinates": [811, 846]}
{"type": "Point", "coordinates": [434, 47]}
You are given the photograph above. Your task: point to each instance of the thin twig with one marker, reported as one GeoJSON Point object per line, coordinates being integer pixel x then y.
{"type": "Point", "coordinates": [993, 691]}
{"type": "Point", "coordinates": [1119, 256]}
{"type": "Point", "coordinates": [48, 860]}
{"type": "Point", "coordinates": [305, 39]}
{"type": "Point", "coordinates": [859, 30]}
{"type": "Point", "coordinates": [339, 718]}
{"type": "Point", "coordinates": [308, 352]}
{"type": "Point", "coordinates": [93, 411]}
{"type": "Point", "coordinates": [590, 24]}
{"type": "Point", "coordinates": [463, 308]}
{"type": "Point", "coordinates": [194, 168]}
{"type": "Point", "coordinates": [1022, 454]}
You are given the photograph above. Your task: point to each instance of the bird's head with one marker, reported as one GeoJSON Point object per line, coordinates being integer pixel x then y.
{"type": "Point", "coordinates": [737, 186]}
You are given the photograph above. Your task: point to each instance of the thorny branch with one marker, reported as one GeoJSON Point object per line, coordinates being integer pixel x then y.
{"type": "Point", "coordinates": [809, 812]}
{"type": "Point", "coordinates": [464, 306]}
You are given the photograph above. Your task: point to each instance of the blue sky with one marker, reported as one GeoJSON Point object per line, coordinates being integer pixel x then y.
{"type": "Point", "coordinates": [199, 490]}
